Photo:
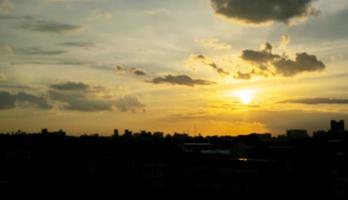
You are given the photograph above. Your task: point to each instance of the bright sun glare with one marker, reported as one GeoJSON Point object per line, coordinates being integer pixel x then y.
{"type": "Point", "coordinates": [245, 96]}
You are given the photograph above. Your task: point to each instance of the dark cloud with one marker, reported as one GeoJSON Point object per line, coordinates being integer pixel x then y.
{"type": "Point", "coordinates": [52, 27]}
{"type": "Point", "coordinates": [303, 63]}
{"type": "Point", "coordinates": [131, 70]}
{"type": "Point", "coordinates": [8, 100]}
{"type": "Point", "coordinates": [263, 11]}
{"type": "Point", "coordinates": [180, 80]}
{"type": "Point", "coordinates": [209, 62]}
{"type": "Point", "coordinates": [129, 104]}
{"type": "Point", "coordinates": [80, 101]}
{"type": "Point", "coordinates": [80, 97]}
{"type": "Point", "coordinates": [38, 51]}
{"type": "Point", "coordinates": [70, 86]}
{"type": "Point", "coordinates": [77, 44]}
{"type": "Point", "coordinates": [317, 101]}
{"type": "Point", "coordinates": [266, 63]}
{"type": "Point", "coordinates": [89, 98]}
{"type": "Point", "coordinates": [262, 56]}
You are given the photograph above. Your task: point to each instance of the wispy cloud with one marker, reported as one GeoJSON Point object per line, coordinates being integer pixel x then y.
{"type": "Point", "coordinates": [50, 27]}
{"type": "Point", "coordinates": [180, 80]}
{"type": "Point", "coordinates": [77, 44]}
{"type": "Point", "coordinates": [214, 43]}
{"type": "Point", "coordinates": [317, 101]}
{"type": "Point", "coordinates": [200, 59]}
{"type": "Point", "coordinates": [132, 70]}
{"type": "Point", "coordinates": [38, 51]}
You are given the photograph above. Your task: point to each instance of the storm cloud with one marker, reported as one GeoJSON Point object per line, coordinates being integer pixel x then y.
{"type": "Point", "coordinates": [263, 11]}
{"type": "Point", "coordinates": [8, 100]}
{"type": "Point", "coordinates": [180, 80]}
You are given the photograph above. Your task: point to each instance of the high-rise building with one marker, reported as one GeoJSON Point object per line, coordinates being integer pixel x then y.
{"type": "Point", "coordinates": [337, 125]}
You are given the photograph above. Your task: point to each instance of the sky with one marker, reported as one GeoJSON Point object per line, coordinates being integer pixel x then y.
{"type": "Point", "coordinates": [209, 67]}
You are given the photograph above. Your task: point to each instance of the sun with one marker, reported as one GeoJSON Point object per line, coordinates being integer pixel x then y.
{"type": "Point", "coordinates": [245, 96]}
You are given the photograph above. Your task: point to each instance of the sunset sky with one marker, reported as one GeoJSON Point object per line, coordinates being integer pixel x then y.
{"type": "Point", "coordinates": [223, 67]}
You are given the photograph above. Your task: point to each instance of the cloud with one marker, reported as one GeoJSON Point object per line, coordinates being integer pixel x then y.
{"type": "Point", "coordinates": [6, 6]}
{"type": "Point", "coordinates": [80, 97]}
{"type": "Point", "coordinates": [159, 11]}
{"type": "Point", "coordinates": [180, 80]}
{"type": "Point", "coordinates": [214, 43]}
{"type": "Point", "coordinates": [84, 97]}
{"type": "Point", "coordinates": [38, 51]}
{"type": "Point", "coordinates": [49, 27]}
{"type": "Point", "coordinates": [8, 100]}
{"type": "Point", "coordinates": [70, 86]}
{"type": "Point", "coordinates": [129, 104]}
{"type": "Point", "coordinates": [266, 63]}
{"type": "Point", "coordinates": [316, 101]}
{"type": "Point", "coordinates": [243, 76]}
{"type": "Point", "coordinates": [204, 60]}
{"type": "Point", "coordinates": [264, 11]}
{"type": "Point", "coordinates": [80, 101]}
{"type": "Point", "coordinates": [77, 44]}
{"type": "Point", "coordinates": [7, 17]}
{"type": "Point", "coordinates": [303, 63]}
{"type": "Point", "coordinates": [132, 70]}
{"type": "Point", "coordinates": [284, 41]}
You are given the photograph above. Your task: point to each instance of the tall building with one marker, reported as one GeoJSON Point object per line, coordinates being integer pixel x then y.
{"type": "Point", "coordinates": [115, 133]}
{"type": "Point", "coordinates": [337, 125]}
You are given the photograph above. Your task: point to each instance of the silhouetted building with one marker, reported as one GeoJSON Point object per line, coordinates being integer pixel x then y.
{"type": "Point", "coordinates": [127, 133]}
{"type": "Point", "coordinates": [158, 134]}
{"type": "Point", "coordinates": [320, 134]}
{"type": "Point", "coordinates": [262, 136]}
{"type": "Point", "coordinates": [297, 134]}
{"type": "Point", "coordinates": [115, 133]}
{"type": "Point", "coordinates": [44, 131]}
{"type": "Point", "coordinates": [337, 125]}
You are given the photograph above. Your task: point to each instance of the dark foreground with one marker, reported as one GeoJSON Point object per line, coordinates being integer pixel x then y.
{"type": "Point", "coordinates": [149, 166]}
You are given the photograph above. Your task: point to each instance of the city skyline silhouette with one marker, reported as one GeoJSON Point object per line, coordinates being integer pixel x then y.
{"type": "Point", "coordinates": [175, 99]}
